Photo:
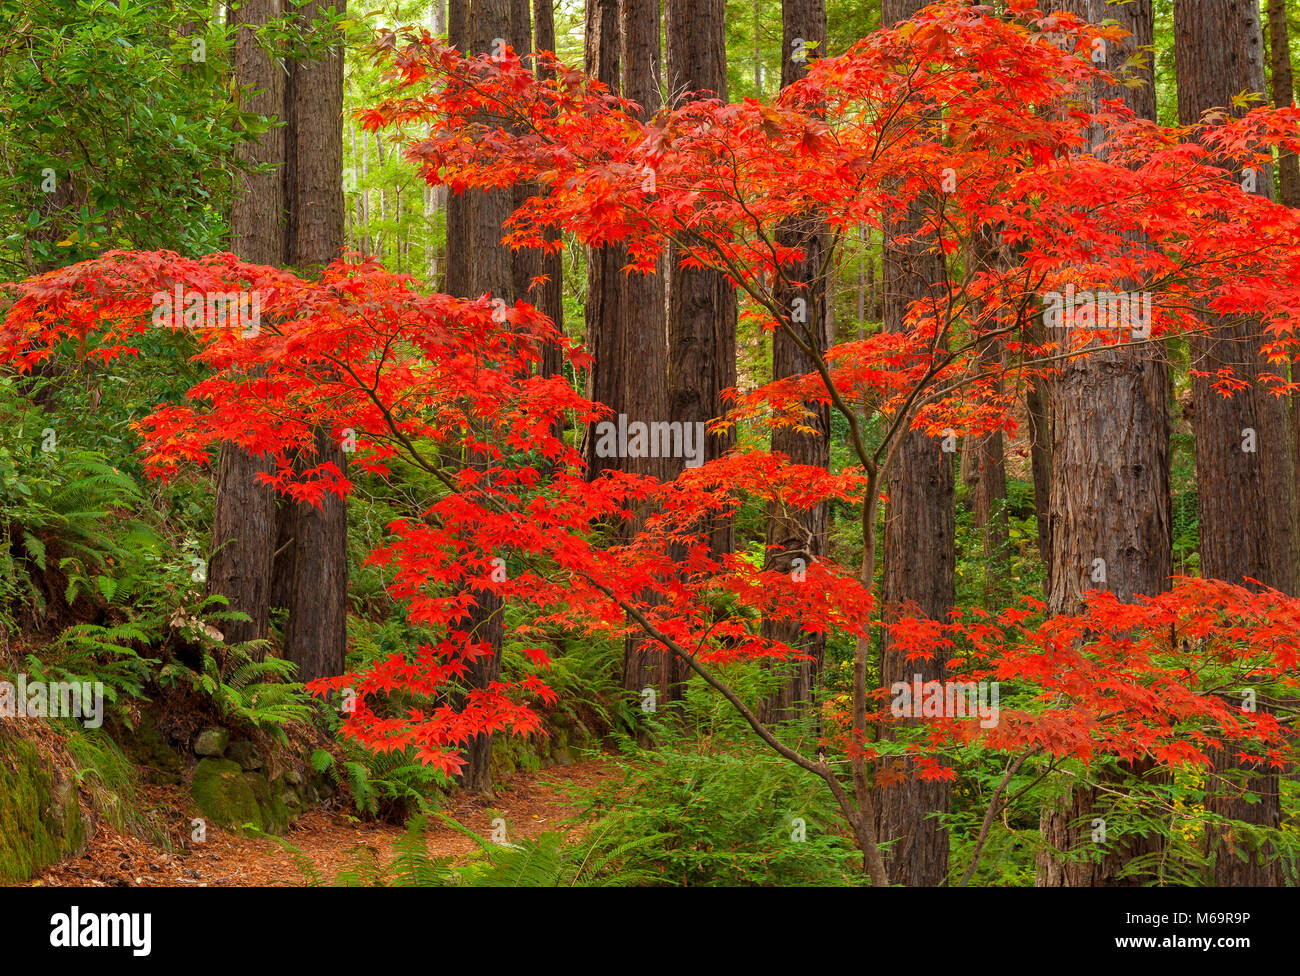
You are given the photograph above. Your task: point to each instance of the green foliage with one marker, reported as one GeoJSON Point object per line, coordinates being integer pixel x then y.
{"type": "Point", "coordinates": [245, 690]}
{"type": "Point", "coordinates": [104, 774]}
{"type": "Point", "coordinates": [389, 785]}
{"type": "Point", "coordinates": [1007, 857]}
{"type": "Point", "coordinates": [82, 532]}
{"type": "Point", "coordinates": [586, 676]}
{"type": "Point", "coordinates": [390, 209]}
{"type": "Point", "coordinates": [725, 813]}
{"type": "Point", "coordinates": [40, 817]}
{"type": "Point", "coordinates": [998, 579]}
{"type": "Point", "coordinates": [1171, 808]}
{"type": "Point", "coordinates": [62, 507]}
{"type": "Point", "coordinates": [96, 654]}
{"type": "Point", "coordinates": [385, 785]}
{"type": "Point", "coordinates": [754, 35]}
{"type": "Point", "coordinates": [114, 134]}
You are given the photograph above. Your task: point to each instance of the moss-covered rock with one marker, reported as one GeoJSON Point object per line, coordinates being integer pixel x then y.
{"type": "Point", "coordinates": [148, 750]}
{"type": "Point", "coordinates": [40, 814]}
{"type": "Point", "coordinates": [224, 795]}
{"type": "Point", "coordinates": [211, 742]}
{"type": "Point", "coordinates": [244, 753]}
{"type": "Point", "coordinates": [275, 814]}
{"type": "Point", "coordinates": [560, 752]}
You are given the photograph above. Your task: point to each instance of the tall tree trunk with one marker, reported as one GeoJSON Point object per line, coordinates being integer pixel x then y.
{"type": "Point", "coordinates": [984, 472]}
{"type": "Point", "coordinates": [701, 303]}
{"type": "Point", "coordinates": [243, 525]}
{"type": "Point", "coordinates": [1218, 50]}
{"type": "Point", "coordinates": [458, 240]}
{"type": "Point", "coordinates": [314, 142]}
{"type": "Point", "coordinates": [800, 534]}
{"type": "Point", "coordinates": [643, 349]}
{"type": "Point", "coordinates": [984, 469]}
{"type": "Point", "coordinates": [525, 263]}
{"type": "Point", "coordinates": [1110, 504]}
{"type": "Point", "coordinates": [1040, 452]}
{"type": "Point", "coordinates": [490, 273]}
{"type": "Point", "coordinates": [435, 196]}
{"type": "Point", "coordinates": [1288, 169]}
{"type": "Point", "coordinates": [919, 560]}
{"type": "Point", "coordinates": [550, 297]}
{"type": "Point", "coordinates": [312, 569]}
{"type": "Point", "coordinates": [604, 323]}
{"type": "Point", "coordinates": [363, 198]}
{"type": "Point", "coordinates": [257, 217]}
{"type": "Point", "coordinates": [863, 259]}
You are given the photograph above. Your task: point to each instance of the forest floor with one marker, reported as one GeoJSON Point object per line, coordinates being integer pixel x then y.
{"type": "Point", "coordinates": [332, 840]}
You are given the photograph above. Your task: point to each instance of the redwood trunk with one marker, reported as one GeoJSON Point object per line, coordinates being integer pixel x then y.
{"type": "Point", "coordinates": [1245, 501]}
{"type": "Point", "coordinates": [919, 560]}
{"type": "Point", "coordinates": [984, 469]}
{"type": "Point", "coordinates": [701, 303]}
{"type": "Point", "coordinates": [643, 350]}
{"type": "Point", "coordinates": [244, 519]}
{"type": "Point", "coordinates": [490, 273]}
{"type": "Point", "coordinates": [604, 321]}
{"type": "Point", "coordinates": [1110, 503]}
{"type": "Point", "coordinates": [312, 569]}
{"type": "Point", "coordinates": [795, 537]}
{"type": "Point", "coordinates": [1279, 45]}
{"type": "Point", "coordinates": [458, 245]}
{"type": "Point", "coordinates": [1040, 452]}
{"type": "Point", "coordinates": [550, 295]}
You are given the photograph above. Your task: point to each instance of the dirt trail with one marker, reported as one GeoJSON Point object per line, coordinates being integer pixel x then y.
{"type": "Point", "coordinates": [531, 803]}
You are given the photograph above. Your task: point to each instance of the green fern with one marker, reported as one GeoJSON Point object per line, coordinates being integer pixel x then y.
{"type": "Point", "coordinates": [99, 654]}
{"type": "Point", "coordinates": [246, 691]}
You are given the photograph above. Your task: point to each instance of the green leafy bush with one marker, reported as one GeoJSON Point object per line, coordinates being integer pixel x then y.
{"type": "Point", "coordinates": [387, 785]}
{"type": "Point", "coordinates": [724, 813]}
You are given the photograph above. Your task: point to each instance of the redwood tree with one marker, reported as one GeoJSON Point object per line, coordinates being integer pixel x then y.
{"type": "Point", "coordinates": [1110, 502]}
{"type": "Point", "coordinates": [919, 553]}
{"type": "Point", "coordinates": [549, 297]}
{"type": "Point", "coordinates": [1279, 49]}
{"type": "Point", "coordinates": [604, 320]}
{"type": "Point", "coordinates": [490, 273]}
{"type": "Point", "coordinates": [795, 536]}
{"type": "Point", "coordinates": [701, 301]}
{"type": "Point", "coordinates": [1244, 442]}
{"type": "Point", "coordinates": [310, 574]}
{"type": "Point", "coordinates": [640, 358]}
{"type": "Point", "coordinates": [456, 281]}
{"type": "Point", "coordinates": [244, 511]}
{"type": "Point", "coordinates": [983, 460]}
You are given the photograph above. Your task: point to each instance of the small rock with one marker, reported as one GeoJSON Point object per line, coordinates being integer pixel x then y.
{"type": "Point", "coordinates": [211, 742]}
{"type": "Point", "coordinates": [293, 777]}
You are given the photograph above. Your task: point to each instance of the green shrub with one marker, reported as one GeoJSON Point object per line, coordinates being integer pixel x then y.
{"type": "Point", "coordinates": [725, 812]}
